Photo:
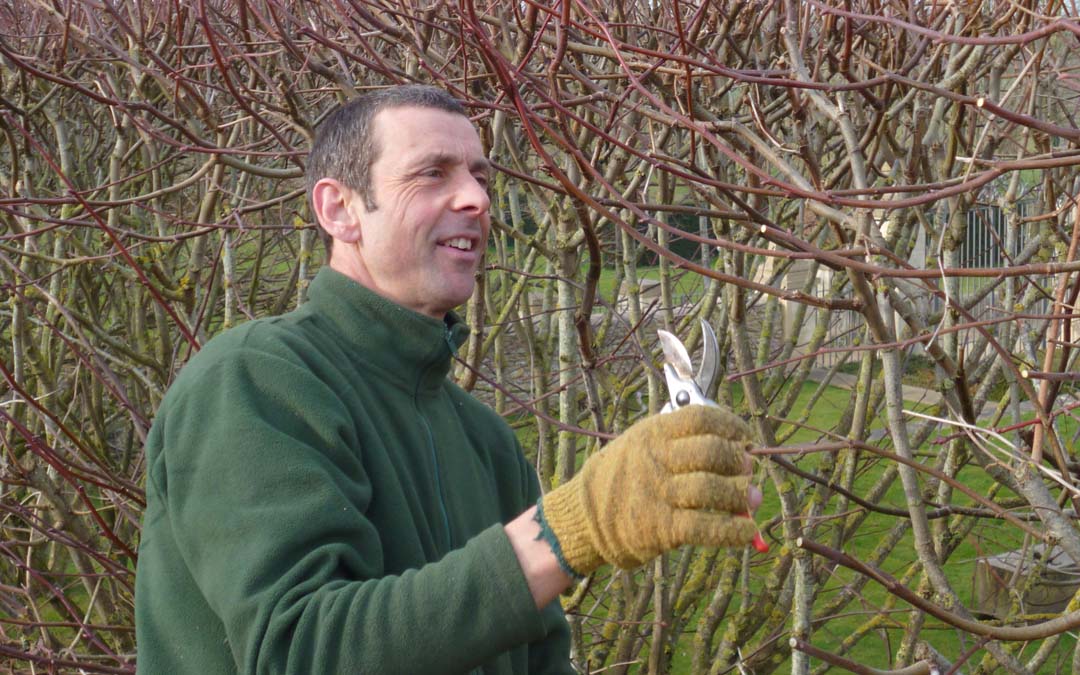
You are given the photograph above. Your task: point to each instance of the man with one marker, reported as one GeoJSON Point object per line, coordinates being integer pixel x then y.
{"type": "Point", "coordinates": [321, 499]}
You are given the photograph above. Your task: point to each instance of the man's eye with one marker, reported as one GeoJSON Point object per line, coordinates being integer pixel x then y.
{"type": "Point", "coordinates": [483, 180]}
{"type": "Point", "coordinates": [433, 173]}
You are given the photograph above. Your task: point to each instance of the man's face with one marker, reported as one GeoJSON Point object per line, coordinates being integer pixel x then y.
{"type": "Point", "coordinates": [421, 245]}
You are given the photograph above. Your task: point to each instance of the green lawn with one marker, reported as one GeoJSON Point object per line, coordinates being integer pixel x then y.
{"type": "Point", "coordinates": [686, 287]}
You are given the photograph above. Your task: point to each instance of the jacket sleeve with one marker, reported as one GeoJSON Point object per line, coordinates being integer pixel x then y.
{"type": "Point", "coordinates": [551, 655]}
{"type": "Point", "coordinates": [266, 493]}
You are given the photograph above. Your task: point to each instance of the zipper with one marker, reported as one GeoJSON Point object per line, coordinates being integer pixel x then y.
{"type": "Point", "coordinates": [449, 339]}
{"type": "Point", "coordinates": [431, 446]}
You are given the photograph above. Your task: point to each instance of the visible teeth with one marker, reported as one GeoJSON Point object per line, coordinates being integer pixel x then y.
{"type": "Point", "coordinates": [460, 243]}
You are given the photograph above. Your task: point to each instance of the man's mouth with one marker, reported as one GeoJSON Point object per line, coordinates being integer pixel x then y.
{"type": "Point", "coordinates": [460, 243]}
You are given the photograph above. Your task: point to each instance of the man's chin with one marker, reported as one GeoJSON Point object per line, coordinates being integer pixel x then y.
{"type": "Point", "coordinates": [455, 296]}
{"type": "Point", "coordinates": [462, 300]}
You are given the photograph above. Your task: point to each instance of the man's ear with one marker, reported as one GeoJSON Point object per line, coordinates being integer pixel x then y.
{"type": "Point", "coordinates": [333, 205]}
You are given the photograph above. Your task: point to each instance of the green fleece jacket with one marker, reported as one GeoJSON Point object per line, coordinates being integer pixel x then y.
{"type": "Point", "coordinates": [322, 499]}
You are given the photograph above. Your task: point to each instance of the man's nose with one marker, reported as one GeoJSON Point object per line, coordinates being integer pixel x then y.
{"type": "Point", "coordinates": [471, 195]}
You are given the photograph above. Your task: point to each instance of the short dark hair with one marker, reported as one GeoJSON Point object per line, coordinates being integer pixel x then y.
{"type": "Point", "coordinates": [345, 146]}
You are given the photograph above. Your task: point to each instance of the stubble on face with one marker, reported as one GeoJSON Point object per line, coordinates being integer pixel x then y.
{"type": "Point", "coordinates": [423, 243]}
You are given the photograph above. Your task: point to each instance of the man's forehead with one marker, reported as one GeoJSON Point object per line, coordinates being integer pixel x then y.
{"type": "Point", "coordinates": [417, 132]}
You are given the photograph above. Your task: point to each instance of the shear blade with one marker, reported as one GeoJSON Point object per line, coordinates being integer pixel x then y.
{"type": "Point", "coordinates": [676, 355]}
{"type": "Point", "coordinates": [710, 359]}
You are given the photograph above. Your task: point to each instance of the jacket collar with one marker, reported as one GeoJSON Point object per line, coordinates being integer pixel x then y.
{"type": "Point", "coordinates": [413, 349]}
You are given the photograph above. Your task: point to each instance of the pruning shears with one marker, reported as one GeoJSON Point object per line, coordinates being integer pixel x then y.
{"type": "Point", "coordinates": [685, 388]}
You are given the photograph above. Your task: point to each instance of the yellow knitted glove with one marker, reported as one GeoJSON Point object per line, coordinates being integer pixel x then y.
{"type": "Point", "coordinates": [669, 480]}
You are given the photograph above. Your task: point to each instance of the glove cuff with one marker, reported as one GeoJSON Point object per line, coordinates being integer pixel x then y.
{"type": "Point", "coordinates": [564, 526]}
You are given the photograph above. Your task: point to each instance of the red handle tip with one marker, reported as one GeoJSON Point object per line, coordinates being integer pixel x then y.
{"type": "Point", "coordinates": [760, 544]}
